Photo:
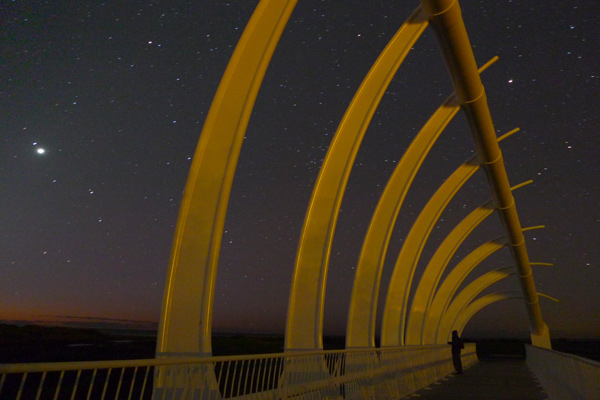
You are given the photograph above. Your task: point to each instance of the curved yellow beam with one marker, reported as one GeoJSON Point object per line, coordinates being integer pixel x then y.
{"type": "Point", "coordinates": [437, 264]}
{"type": "Point", "coordinates": [305, 311]}
{"type": "Point", "coordinates": [464, 298]}
{"type": "Point", "coordinates": [465, 316]}
{"type": "Point", "coordinates": [363, 303]}
{"type": "Point", "coordinates": [432, 274]}
{"type": "Point", "coordinates": [449, 286]}
{"type": "Point", "coordinates": [185, 325]}
{"type": "Point", "coordinates": [394, 313]}
{"type": "Point", "coordinates": [452, 282]}
{"type": "Point", "coordinates": [446, 19]}
{"type": "Point", "coordinates": [468, 313]}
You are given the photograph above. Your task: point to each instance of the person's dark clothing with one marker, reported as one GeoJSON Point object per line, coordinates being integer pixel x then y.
{"type": "Point", "coordinates": [457, 346]}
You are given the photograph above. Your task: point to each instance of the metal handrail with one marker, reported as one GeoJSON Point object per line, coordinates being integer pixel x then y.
{"type": "Point", "coordinates": [283, 375]}
{"type": "Point", "coordinates": [75, 365]}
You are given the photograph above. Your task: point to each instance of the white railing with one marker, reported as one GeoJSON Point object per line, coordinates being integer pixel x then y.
{"type": "Point", "coordinates": [351, 374]}
{"type": "Point", "coordinates": [565, 376]}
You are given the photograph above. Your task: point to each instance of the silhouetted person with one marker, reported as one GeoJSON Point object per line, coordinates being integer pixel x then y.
{"type": "Point", "coordinates": [457, 346]}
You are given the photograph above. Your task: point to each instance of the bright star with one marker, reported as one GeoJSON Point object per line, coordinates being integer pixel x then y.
{"type": "Point", "coordinates": [40, 150]}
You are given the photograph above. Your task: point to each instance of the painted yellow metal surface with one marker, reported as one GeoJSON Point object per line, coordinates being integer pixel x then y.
{"type": "Point", "coordinates": [401, 281]}
{"type": "Point", "coordinates": [455, 278]}
{"type": "Point", "coordinates": [365, 292]}
{"type": "Point", "coordinates": [446, 19]}
{"type": "Point", "coordinates": [423, 297]}
{"type": "Point", "coordinates": [305, 311]}
{"type": "Point", "coordinates": [468, 312]}
{"type": "Point", "coordinates": [449, 286]}
{"type": "Point", "coordinates": [185, 326]}
{"type": "Point", "coordinates": [434, 270]}
{"type": "Point", "coordinates": [465, 316]}
{"type": "Point", "coordinates": [548, 297]}
{"type": "Point", "coordinates": [363, 303]}
{"type": "Point", "coordinates": [464, 298]}
{"type": "Point", "coordinates": [394, 313]}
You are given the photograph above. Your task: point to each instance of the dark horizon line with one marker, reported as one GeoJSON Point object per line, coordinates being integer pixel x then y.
{"type": "Point", "coordinates": [104, 325]}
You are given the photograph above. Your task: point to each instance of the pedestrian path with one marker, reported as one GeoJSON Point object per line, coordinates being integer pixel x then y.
{"type": "Point", "coordinates": [497, 379]}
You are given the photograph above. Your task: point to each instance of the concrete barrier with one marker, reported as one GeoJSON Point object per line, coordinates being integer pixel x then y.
{"type": "Point", "coordinates": [565, 376]}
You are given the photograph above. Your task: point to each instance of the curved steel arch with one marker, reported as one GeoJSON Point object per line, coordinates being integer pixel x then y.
{"type": "Point", "coordinates": [304, 326]}
{"type": "Point", "coordinates": [432, 274]}
{"type": "Point", "coordinates": [425, 291]}
{"type": "Point", "coordinates": [394, 313]}
{"type": "Point", "coordinates": [473, 308]}
{"type": "Point", "coordinates": [465, 316]}
{"type": "Point", "coordinates": [447, 289]}
{"type": "Point", "coordinates": [464, 298]}
{"type": "Point", "coordinates": [446, 292]}
{"type": "Point", "coordinates": [185, 325]}
{"type": "Point", "coordinates": [365, 292]}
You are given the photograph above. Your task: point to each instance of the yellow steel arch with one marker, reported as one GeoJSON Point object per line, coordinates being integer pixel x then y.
{"type": "Point", "coordinates": [435, 268]}
{"type": "Point", "coordinates": [464, 298]}
{"type": "Point", "coordinates": [446, 292]}
{"type": "Point", "coordinates": [305, 311]}
{"type": "Point", "coordinates": [185, 325]}
{"type": "Point", "coordinates": [394, 313]}
{"type": "Point", "coordinates": [363, 303]}
{"type": "Point", "coordinates": [437, 264]}
{"type": "Point", "coordinates": [447, 289]}
{"type": "Point", "coordinates": [465, 316]}
{"type": "Point", "coordinates": [365, 292]}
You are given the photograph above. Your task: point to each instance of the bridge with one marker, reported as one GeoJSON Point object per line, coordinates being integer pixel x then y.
{"type": "Point", "coordinates": [413, 356]}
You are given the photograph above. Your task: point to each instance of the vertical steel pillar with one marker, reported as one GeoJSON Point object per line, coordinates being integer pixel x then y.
{"type": "Point", "coordinates": [446, 18]}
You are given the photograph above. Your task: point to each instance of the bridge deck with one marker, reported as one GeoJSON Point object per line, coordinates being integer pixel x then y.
{"type": "Point", "coordinates": [498, 379]}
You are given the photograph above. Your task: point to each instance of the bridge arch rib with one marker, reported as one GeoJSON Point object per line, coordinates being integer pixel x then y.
{"type": "Point", "coordinates": [469, 312]}
{"type": "Point", "coordinates": [304, 328]}
{"type": "Point", "coordinates": [466, 296]}
{"type": "Point", "coordinates": [185, 326]}
{"type": "Point", "coordinates": [449, 286]}
{"type": "Point", "coordinates": [365, 292]}
{"type": "Point", "coordinates": [186, 316]}
{"type": "Point", "coordinates": [426, 288]}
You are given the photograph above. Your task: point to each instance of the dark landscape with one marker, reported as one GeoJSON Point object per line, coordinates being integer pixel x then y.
{"type": "Point", "coordinates": [33, 343]}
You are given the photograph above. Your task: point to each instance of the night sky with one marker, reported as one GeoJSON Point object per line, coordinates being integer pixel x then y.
{"type": "Point", "coordinates": [102, 104]}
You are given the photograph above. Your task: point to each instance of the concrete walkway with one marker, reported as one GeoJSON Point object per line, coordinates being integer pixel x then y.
{"type": "Point", "coordinates": [501, 380]}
